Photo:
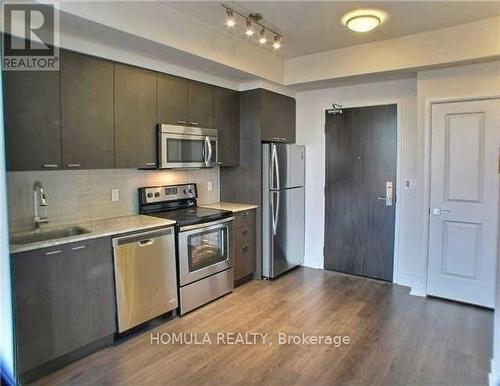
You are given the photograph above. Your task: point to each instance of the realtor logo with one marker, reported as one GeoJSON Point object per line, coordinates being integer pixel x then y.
{"type": "Point", "coordinates": [30, 37]}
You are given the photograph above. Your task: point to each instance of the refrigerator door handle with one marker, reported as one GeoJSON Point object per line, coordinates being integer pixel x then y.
{"type": "Point", "coordinates": [275, 173]}
{"type": "Point", "coordinates": [275, 210]}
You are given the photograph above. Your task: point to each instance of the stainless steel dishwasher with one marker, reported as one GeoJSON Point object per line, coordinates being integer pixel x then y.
{"type": "Point", "coordinates": [145, 276]}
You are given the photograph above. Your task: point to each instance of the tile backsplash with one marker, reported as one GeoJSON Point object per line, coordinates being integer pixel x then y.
{"type": "Point", "coordinates": [82, 195]}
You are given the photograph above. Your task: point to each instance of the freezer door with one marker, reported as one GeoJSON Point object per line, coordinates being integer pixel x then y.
{"type": "Point", "coordinates": [290, 160]}
{"type": "Point", "coordinates": [283, 228]}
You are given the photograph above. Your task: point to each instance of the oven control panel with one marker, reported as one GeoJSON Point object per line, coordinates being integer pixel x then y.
{"type": "Point", "coordinates": [168, 193]}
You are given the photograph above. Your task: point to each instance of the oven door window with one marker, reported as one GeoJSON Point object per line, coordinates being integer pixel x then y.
{"type": "Point", "coordinates": [207, 248]}
{"type": "Point", "coordinates": [185, 150]}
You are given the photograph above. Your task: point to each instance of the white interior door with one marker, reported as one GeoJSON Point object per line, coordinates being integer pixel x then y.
{"type": "Point", "coordinates": [464, 201]}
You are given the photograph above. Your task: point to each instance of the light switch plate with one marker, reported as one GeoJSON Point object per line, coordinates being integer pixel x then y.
{"type": "Point", "coordinates": [115, 195]}
{"type": "Point", "coordinates": [210, 186]}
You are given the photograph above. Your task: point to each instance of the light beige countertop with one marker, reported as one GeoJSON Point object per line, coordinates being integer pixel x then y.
{"type": "Point", "coordinates": [233, 207]}
{"type": "Point", "coordinates": [99, 228]}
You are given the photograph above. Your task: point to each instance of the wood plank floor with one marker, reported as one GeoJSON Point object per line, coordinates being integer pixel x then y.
{"type": "Point", "coordinates": [396, 339]}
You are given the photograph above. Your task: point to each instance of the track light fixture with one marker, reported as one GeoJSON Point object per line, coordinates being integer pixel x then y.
{"type": "Point", "coordinates": [252, 24]}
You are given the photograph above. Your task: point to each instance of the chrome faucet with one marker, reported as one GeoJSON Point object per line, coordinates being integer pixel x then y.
{"type": "Point", "coordinates": [40, 205]}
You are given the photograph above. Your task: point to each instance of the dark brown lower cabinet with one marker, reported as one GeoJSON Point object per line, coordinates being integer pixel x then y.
{"type": "Point", "coordinates": [63, 301]}
{"type": "Point", "coordinates": [244, 246]}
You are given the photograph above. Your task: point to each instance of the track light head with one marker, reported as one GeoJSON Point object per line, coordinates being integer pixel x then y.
{"type": "Point", "coordinates": [230, 22]}
{"type": "Point", "coordinates": [249, 31]}
{"type": "Point", "coordinates": [277, 42]}
{"type": "Point", "coordinates": [262, 39]}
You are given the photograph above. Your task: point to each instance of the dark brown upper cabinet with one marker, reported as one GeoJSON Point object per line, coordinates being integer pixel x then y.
{"type": "Point", "coordinates": [32, 120]}
{"type": "Point", "coordinates": [200, 104]}
{"type": "Point", "coordinates": [172, 100]}
{"type": "Point", "coordinates": [135, 117]}
{"type": "Point", "coordinates": [87, 111]}
{"type": "Point", "coordinates": [277, 117]}
{"type": "Point", "coordinates": [227, 122]}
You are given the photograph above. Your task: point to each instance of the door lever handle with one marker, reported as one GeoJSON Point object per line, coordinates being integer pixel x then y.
{"type": "Point", "coordinates": [382, 198]}
{"type": "Point", "coordinates": [437, 211]}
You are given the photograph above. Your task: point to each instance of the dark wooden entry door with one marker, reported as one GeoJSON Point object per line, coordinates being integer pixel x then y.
{"type": "Point", "coordinates": [361, 158]}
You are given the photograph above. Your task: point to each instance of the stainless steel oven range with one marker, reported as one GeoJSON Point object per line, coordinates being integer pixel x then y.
{"type": "Point", "coordinates": [203, 239]}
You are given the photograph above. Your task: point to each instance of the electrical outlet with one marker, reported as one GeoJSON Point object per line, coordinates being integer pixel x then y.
{"type": "Point", "coordinates": [115, 195]}
{"type": "Point", "coordinates": [210, 186]}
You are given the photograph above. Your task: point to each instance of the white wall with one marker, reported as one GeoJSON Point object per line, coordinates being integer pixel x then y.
{"type": "Point", "coordinates": [311, 106]}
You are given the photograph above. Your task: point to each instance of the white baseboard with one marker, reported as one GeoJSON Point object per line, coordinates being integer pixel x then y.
{"type": "Point", "coordinates": [409, 280]}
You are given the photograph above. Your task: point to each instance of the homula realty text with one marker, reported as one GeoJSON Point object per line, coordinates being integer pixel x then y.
{"type": "Point", "coordinates": [247, 338]}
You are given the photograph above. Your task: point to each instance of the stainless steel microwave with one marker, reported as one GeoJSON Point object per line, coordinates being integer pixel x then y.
{"type": "Point", "coordinates": [187, 147]}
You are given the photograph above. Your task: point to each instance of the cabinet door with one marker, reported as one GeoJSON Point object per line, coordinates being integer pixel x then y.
{"type": "Point", "coordinates": [200, 104]}
{"type": "Point", "coordinates": [32, 120]}
{"type": "Point", "coordinates": [227, 123]}
{"type": "Point", "coordinates": [244, 252]}
{"type": "Point", "coordinates": [87, 112]}
{"type": "Point", "coordinates": [277, 117]}
{"type": "Point", "coordinates": [63, 300]}
{"type": "Point", "coordinates": [135, 117]}
{"type": "Point", "coordinates": [172, 100]}
{"type": "Point", "coordinates": [270, 111]}
{"type": "Point", "coordinates": [288, 127]}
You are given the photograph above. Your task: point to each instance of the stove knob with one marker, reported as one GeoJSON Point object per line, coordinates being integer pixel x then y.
{"type": "Point", "coordinates": [157, 194]}
{"type": "Point", "coordinates": [150, 195]}
{"type": "Point", "coordinates": [185, 191]}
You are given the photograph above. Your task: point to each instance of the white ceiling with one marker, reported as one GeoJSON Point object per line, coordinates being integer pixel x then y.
{"type": "Point", "coordinates": [313, 26]}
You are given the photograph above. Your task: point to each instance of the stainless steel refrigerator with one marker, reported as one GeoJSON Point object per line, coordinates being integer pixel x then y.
{"type": "Point", "coordinates": [283, 171]}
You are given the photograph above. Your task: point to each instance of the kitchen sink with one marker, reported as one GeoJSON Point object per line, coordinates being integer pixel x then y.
{"type": "Point", "coordinates": [46, 235]}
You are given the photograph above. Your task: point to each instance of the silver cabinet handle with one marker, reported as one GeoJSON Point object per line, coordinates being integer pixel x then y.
{"type": "Point", "coordinates": [194, 123]}
{"type": "Point", "coordinates": [73, 165]}
{"type": "Point", "coordinates": [53, 252]}
{"type": "Point", "coordinates": [182, 122]}
{"type": "Point", "coordinates": [50, 166]}
{"type": "Point", "coordinates": [78, 247]}
{"type": "Point", "coordinates": [150, 163]}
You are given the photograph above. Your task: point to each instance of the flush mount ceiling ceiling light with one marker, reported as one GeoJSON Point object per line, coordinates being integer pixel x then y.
{"type": "Point", "coordinates": [252, 20]}
{"type": "Point", "coordinates": [363, 20]}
